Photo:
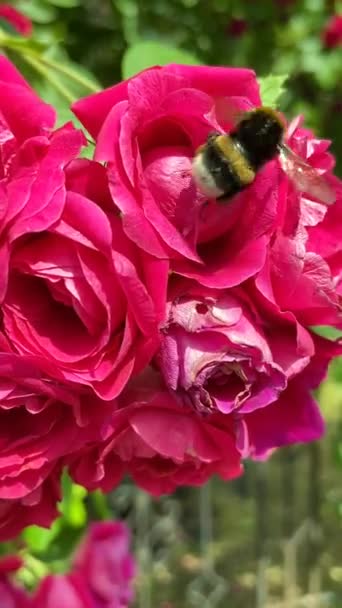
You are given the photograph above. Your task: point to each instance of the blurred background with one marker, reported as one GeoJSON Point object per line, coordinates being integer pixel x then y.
{"type": "Point", "coordinates": [273, 538]}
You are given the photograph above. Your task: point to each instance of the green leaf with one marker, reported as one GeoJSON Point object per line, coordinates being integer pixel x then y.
{"type": "Point", "coordinates": [272, 88]}
{"type": "Point", "coordinates": [331, 333]}
{"type": "Point", "coordinates": [146, 54]}
{"type": "Point", "coordinates": [36, 10]}
{"type": "Point", "coordinates": [38, 539]}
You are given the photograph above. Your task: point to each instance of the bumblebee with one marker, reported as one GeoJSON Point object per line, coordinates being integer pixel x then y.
{"type": "Point", "coordinates": [228, 163]}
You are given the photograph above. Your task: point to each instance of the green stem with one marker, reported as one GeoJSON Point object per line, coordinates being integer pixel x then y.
{"type": "Point", "coordinates": [46, 62]}
{"type": "Point", "coordinates": [35, 63]}
{"type": "Point", "coordinates": [69, 72]}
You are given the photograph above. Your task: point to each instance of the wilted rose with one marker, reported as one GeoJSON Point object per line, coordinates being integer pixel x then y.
{"type": "Point", "coordinates": [223, 354]}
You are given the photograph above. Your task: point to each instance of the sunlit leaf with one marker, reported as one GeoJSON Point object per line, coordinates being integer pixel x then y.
{"type": "Point", "coordinates": [72, 506]}
{"type": "Point", "coordinates": [331, 333]}
{"type": "Point", "coordinates": [272, 88]}
{"type": "Point", "coordinates": [38, 11]}
{"type": "Point", "coordinates": [38, 539]}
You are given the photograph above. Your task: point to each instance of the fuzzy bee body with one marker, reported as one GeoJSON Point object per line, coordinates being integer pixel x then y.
{"type": "Point", "coordinates": [228, 163]}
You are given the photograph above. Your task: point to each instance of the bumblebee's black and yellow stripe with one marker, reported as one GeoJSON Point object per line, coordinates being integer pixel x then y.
{"type": "Point", "coordinates": [227, 164]}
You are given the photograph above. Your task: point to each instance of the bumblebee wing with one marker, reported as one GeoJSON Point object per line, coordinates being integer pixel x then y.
{"type": "Point", "coordinates": [306, 178]}
{"type": "Point", "coordinates": [229, 111]}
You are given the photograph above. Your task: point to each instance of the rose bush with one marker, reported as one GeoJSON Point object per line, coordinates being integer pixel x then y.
{"type": "Point", "coordinates": [80, 306]}
{"type": "Point", "coordinates": [142, 331]}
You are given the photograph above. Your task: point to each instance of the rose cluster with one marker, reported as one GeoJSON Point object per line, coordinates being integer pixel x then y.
{"type": "Point", "coordinates": [145, 330]}
{"type": "Point", "coordinates": [100, 575]}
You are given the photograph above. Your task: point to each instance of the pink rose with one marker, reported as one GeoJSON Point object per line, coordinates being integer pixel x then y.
{"type": "Point", "coordinates": [332, 33]}
{"type": "Point", "coordinates": [325, 240]}
{"type": "Point", "coordinates": [224, 354]}
{"type": "Point", "coordinates": [103, 560]}
{"type": "Point", "coordinates": [160, 441]}
{"type": "Point", "coordinates": [295, 417]}
{"type": "Point", "coordinates": [296, 276]}
{"type": "Point", "coordinates": [22, 113]}
{"type": "Point", "coordinates": [21, 23]}
{"type": "Point", "coordinates": [75, 291]}
{"type": "Point", "coordinates": [101, 573]}
{"type": "Point", "coordinates": [11, 596]}
{"type": "Point", "coordinates": [39, 508]}
{"type": "Point", "coordinates": [61, 590]}
{"type": "Point", "coordinates": [147, 130]}
{"type": "Point", "coordinates": [41, 422]}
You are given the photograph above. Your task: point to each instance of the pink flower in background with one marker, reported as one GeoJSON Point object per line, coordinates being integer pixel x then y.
{"type": "Point", "coordinates": [224, 354]}
{"type": "Point", "coordinates": [60, 590]}
{"type": "Point", "coordinates": [160, 441]}
{"type": "Point", "coordinates": [101, 574]}
{"type": "Point", "coordinates": [11, 596]}
{"type": "Point", "coordinates": [16, 19]}
{"type": "Point", "coordinates": [237, 27]}
{"type": "Point", "coordinates": [332, 32]}
{"type": "Point", "coordinates": [103, 559]}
